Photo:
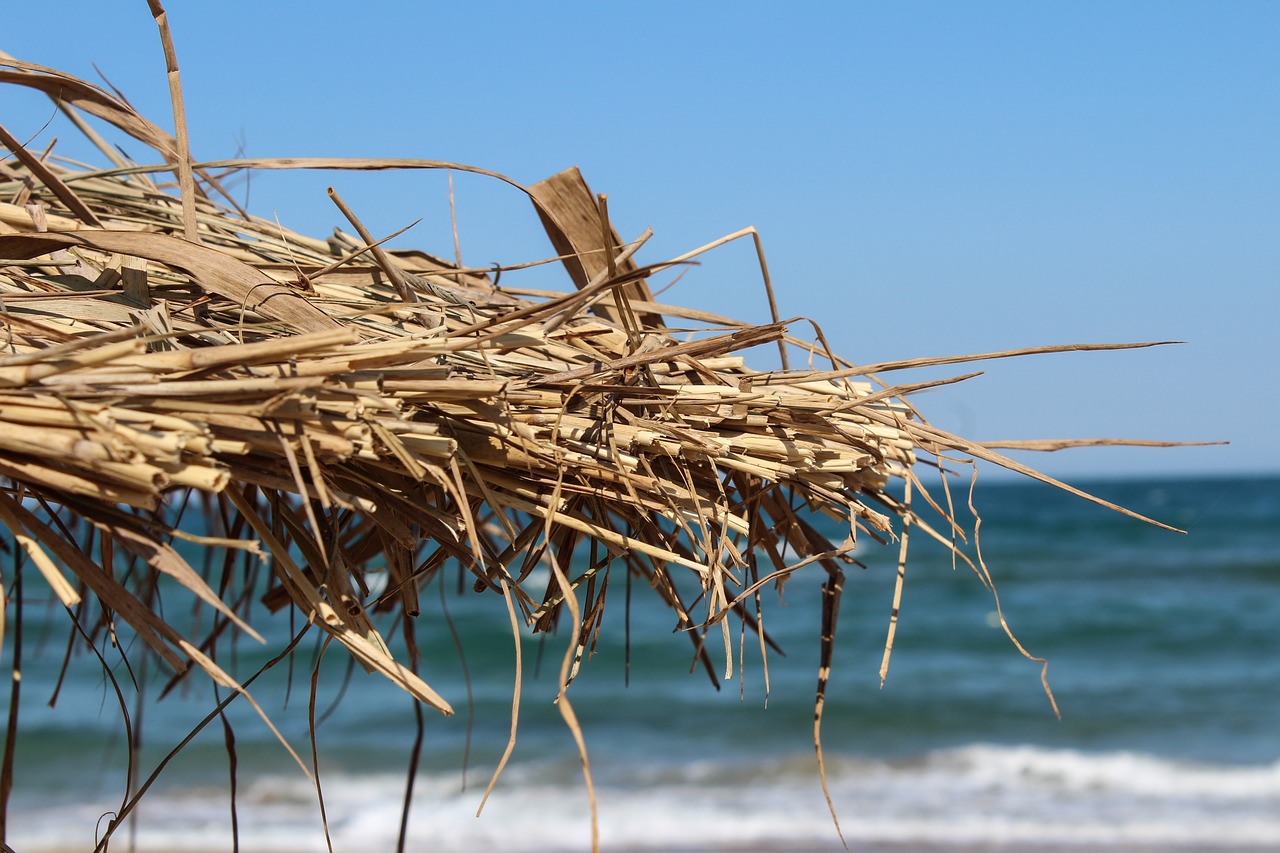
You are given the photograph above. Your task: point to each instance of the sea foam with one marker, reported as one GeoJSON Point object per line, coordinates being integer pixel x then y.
{"type": "Point", "coordinates": [978, 794]}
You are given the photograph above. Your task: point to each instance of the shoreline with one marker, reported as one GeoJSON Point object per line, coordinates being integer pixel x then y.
{"type": "Point", "coordinates": [855, 846]}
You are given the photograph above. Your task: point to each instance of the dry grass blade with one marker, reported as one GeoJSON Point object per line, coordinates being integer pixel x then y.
{"type": "Point", "coordinates": [831, 593]}
{"type": "Point", "coordinates": [217, 272]}
{"type": "Point", "coordinates": [50, 179]}
{"type": "Point", "coordinates": [1052, 444]}
{"type": "Point", "coordinates": [937, 361]}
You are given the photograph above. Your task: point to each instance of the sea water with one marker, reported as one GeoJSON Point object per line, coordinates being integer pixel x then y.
{"type": "Point", "coordinates": [1163, 655]}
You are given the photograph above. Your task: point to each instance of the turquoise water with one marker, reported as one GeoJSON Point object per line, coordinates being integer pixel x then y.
{"type": "Point", "coordinates": [1163, 652]}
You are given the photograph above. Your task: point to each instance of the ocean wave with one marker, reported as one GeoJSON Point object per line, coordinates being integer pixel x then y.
{"type": "Point", "coordinates": [978, 794]}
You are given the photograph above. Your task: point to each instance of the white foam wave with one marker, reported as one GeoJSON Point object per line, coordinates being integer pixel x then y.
{"type": "Point", "coordinates": [1127, 772]}
{"type": "Point", "coordinates": [1028, 795]}
{"type": "Point", "coordinates": [982, 795]}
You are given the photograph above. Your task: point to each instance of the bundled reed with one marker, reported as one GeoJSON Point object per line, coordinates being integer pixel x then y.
{"type": "Point", "coordinates": [340, 409]}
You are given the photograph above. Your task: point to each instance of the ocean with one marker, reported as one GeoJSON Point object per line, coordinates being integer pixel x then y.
{"type": "Point", "coordinates": [1163, 655]}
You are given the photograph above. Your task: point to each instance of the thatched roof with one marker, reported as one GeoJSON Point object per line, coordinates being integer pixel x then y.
{"type": "Point", "coordinates": [341, 409]}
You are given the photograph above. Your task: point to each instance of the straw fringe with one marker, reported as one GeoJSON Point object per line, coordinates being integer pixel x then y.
{"type": "Point", "coordinates": [362, 409]}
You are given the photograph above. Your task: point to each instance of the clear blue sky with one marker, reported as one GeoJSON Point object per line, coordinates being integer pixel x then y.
{"type": "Point", "coordinates": [929, 178]}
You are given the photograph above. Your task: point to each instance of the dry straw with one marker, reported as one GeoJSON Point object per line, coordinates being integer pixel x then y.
{"type": "Point", "coordinates": [338, 408]}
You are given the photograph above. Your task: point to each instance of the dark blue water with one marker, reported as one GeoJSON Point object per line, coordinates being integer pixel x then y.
{"type": "Point", "coordinates": [1163, 655]}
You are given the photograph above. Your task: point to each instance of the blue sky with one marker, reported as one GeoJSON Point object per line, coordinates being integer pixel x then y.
{"type": "Point", "coordinates": [928, 178]}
